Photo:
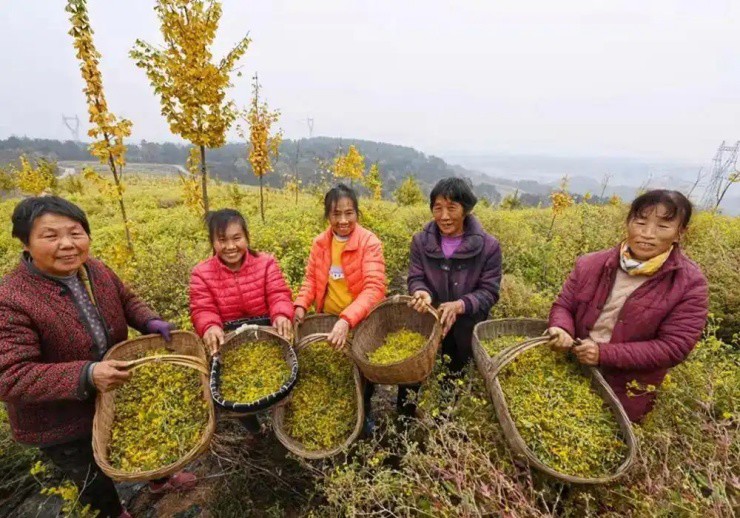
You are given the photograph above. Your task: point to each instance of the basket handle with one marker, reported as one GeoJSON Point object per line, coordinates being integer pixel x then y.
{"type": "Point", "coordinates": [507, 355]}
{"type": "Point", "coordinates": [408, 298]}
{"type": "Point", "coordinates": [174, 359]}
{"type": "Point", "coordinates": [253, 327]}
{"type": "Point", "coordinates": [318, 337]}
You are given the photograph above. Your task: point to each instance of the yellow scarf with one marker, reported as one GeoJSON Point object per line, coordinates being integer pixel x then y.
{"type": "Point", "coordinates": [636, 267]}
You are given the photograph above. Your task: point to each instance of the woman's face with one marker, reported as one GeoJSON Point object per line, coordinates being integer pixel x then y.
{"type": "Point", "coordinates": [58, 245]}
{"type": "Point", "coordinates": [231, 246]}
{"type": "Point", "coordinates": [343, 217]}
{"type": "Point", "coordinates": [651, 233]}
{"type": "Point", "coordinates": [449, 216]}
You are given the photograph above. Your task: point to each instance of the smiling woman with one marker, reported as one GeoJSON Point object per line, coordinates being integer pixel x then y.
{"type": "Point", "coordinates": [60, 311]}
{"type": "Point", "coordinates": [639, 308]}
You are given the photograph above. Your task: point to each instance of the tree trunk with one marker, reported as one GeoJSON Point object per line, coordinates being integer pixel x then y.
{"type": "Point", "coordinates": [119, 190]}
{"type": "Point", "coordinates": [204, 179]}
{"type": "Point", "coordinates": [262, 202]}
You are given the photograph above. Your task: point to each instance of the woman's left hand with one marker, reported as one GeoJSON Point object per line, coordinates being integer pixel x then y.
{"type": "Point", "coordinates": [161, 327]}
{"type": "Point", "coordinates": [448, 312]}
{"type": "Point", "coordinates": [338, 335]}
{"type": "Point", "coordinates": [284, 327]}
{"type": "Point", "coordinates": [588, 352]}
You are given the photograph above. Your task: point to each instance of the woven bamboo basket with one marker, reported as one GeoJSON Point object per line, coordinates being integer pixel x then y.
{"type": "Point", "coordinates": [514, 439]}
{"type": "Point", "coordinates": [492, 329]}
{"type": "Point", "coordinates": [278, 414]}
{"type": "Point", "coordinates": [242, 337]}
{"type": "Point", "coordinates": [388, 316]}
{"type": "Point", "coordinates": [318, 323]}
{"type": "Point", "coordinates": [187, 351]}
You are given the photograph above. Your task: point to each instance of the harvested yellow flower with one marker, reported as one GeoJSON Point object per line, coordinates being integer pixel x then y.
{"type": "Point", "coordinates": [560, 417]}
{"type": "Point", "coordinates": [253, 371]}
{"type": "Point", "coordinates": [160, 415]}
{"type": "Point", "coordinates": [323, 409]}
{"type": "Point", "coordinates": [498, 344]}
{"type": "Point", "coordinates": [398, 346]}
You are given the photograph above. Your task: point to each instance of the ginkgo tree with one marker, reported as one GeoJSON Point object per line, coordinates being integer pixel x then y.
{"type": "Point", "coordinates": [107, 131]}
{"type": "Point", "coordinates": [191, 87]}
{"type": "Point", "coordinates": [350, 165]}
{"type": "Point", "coordinates": [263, 144]}
{"type": "Point", "coordinates": [374, 182]}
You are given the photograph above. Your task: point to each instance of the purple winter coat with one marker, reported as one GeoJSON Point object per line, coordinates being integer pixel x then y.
{"type": "Point", "coordinates": [657, 327]}
{"type": "Point", "coordinates": [472, 274]}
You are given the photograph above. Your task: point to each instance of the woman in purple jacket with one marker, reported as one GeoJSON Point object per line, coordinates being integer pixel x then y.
{"type": "Point", "coordinates": [639, 308]}
{"type": "Point", "coordinates": [456, 264]}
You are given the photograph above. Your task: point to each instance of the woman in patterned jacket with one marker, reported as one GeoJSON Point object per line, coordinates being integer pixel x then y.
{"type": "Point", "coordinates": [60, 311]}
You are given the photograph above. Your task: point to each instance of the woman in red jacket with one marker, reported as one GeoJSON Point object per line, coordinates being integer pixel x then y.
{"type": "Point", "coordinates": [60, 312]}
{"type": "Point", "coordinates": [638, 309]}
{"type": "Point", "coordinates": [345, 274]}
{"type": "Point", "coordinates": [235, 285]}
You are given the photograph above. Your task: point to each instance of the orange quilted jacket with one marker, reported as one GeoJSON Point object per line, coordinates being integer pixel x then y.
{"type": "Point", "coordinates": [364, 269]}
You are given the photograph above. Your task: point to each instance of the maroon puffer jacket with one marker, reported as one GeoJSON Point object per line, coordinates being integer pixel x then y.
{"type": "Point", "coordinates": [657, 328]}
{"type": "Point", "coordinates": [45, 347]}
{"type": "Point", "coordinates": [218, 295]}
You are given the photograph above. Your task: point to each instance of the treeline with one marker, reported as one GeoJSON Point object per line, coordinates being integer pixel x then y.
{"type": "Point", "coordinates": [308, 160]}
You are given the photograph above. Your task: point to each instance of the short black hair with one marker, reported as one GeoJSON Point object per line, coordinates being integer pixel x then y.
{"type": "Point", "coordinates": [30, 209]}
{"type": "Point", "coordinates": [677, 205]}
{"type": "Point", "coordinates": [218, 220]}
{"type": "Point", "coordinates": [335, 194]}
{"type": "Point", "coordinates": [454, 189]}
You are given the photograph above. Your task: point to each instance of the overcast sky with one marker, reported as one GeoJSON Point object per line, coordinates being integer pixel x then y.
{"type": "Point", "coordinates": [652, 79]}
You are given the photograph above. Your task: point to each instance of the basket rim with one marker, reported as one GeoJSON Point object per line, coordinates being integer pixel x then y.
{"type": "Point", "coordinates": [101, 457]}
{"type": "Point", "coordinates": [278, 412]}
{"type": "Point", "coordinates": [517, 442]}
{"type": "Point", "coordinates": [358, 355]}
{"type": "Point", "coordinates": [265, 401]}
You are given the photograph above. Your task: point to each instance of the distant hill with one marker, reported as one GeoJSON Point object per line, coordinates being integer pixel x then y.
{"type": "Point", "coordinates": [494, 176]}
{"type": "Point", "coordinates": [308, 158]}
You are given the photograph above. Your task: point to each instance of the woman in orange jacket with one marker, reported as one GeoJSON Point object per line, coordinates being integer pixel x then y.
{"type": "Point", "coordinates": [345, 274]}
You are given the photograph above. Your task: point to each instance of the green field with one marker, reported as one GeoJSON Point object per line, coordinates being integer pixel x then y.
{"type": "Point", "coordinates": [690, 446]}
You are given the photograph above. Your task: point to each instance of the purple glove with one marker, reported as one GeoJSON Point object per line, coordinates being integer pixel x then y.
{"type": "Point", "coordinates": [161, 327]}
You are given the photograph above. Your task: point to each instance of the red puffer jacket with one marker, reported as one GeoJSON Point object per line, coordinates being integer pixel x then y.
{"type": "Point", "coordinates": [658, 325]}
{"type": "Point", "coordinates": [218, 295]}
{"type": "Point", "coordinates": [45, 348]}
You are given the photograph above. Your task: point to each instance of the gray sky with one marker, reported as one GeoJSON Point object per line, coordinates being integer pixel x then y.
{"type": "Point", "coordinates": [653, 79]}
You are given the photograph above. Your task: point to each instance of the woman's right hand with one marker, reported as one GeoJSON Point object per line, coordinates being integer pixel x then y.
{"type": "Point", "coordinates": [109, 375]}
{"type": "Point", "coordinates": [300, 314]}
{"type": "Point", "coordinates": [421, 300]}
{"type": "Point", "coordinates": [560, 340]}
{"type": "Point", "coordinates": [213, 339]}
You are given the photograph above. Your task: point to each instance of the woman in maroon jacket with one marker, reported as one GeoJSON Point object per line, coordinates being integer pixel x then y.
{"type": "Point", "coordinates": [60, 311]}
{"type": "Point", "coordinates": [637, 309]}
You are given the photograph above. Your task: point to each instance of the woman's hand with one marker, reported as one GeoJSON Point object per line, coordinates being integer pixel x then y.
{"type": "Point", "coordinates": [421, 300]}
{"type": "Point", "coordinates": [213, 339]}
{"type": "Point", "coordinates": [109, 375]}
{"type": "Point", "coordinates": [161, 327]}
{"type": "Point", "coordinates": [587, 352]}
{"type": "Point", "coordinates": [300, 314]}
{"type": "Point", "coordinates": [338, 335]}
{"type": "Point", "coordinates": [284, 327]}
{"type": "Point", "coordinates": [560, 340]}
{"type": "Point", "coordinates": [448, 312]}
